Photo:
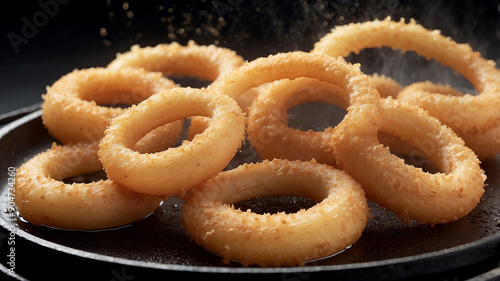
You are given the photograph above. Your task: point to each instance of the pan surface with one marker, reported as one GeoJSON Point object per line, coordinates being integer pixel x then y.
{"type": "Point", "coordinates": [160, 243]}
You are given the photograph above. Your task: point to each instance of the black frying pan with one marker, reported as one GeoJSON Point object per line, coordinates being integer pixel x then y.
{"type": "Point", "coordinates": [158, 245]}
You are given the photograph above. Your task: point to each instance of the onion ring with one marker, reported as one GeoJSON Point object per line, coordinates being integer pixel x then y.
{"type": "Point", "coordinates": [332, 225]}
{"type": "Point", "coordinates": [43, 199]}
{"type": "Point", "coordinates": [71, 114]}
{"type": "Point", "coordinates": [268, 129]}
{"type": "Point", "coordinates": [205, 62]}
{"type": "Point", "coordinates": [484, 128]}
{"type": "Point", "coordinates": [363, 113]}
{"type": "Point", "coordinates": [177, 169]}
{"type": "Point", "coordinates": [404, 189]}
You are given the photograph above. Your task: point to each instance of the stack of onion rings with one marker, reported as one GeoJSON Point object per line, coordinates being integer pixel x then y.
{"type": "Point", "coordinates": [333, 224]}
{"type": "Point", "coordinates": [134, 152]}
{"type": "Point", "coordinates": [43, 199]}
{"type": "Point", "coordinates": [204, 62]}
{"type": "Point", "coordinates": [429, 198]}
{"type": "Point", "coordinates": [386, 86]}
{"type": "Point", "coordinates": [175, 170]}
{"type": "Point", "coordinates": [474, 118]}
{"type": "Point", "coordinates": [300, 64]}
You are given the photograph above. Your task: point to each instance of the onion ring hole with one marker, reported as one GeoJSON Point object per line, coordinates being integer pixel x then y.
{"type": "Point", "coordinates": [275, 204]}
{"type": "Point", "coordinates": [409, 153]}
{"type": "Point", "coordinates": [315, 116]}
{"type": "Point", "coordinates": [189, 81]}
{"type": "Point", "coordinates": [86, 177]}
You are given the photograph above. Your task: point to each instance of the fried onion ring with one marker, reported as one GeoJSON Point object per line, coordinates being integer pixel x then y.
{"type": "Point", "coordinates": [177, 169]}
{"type": "Point", "coordinates": [404, 189]}
{"type": "Point", "coordinates": [204, 62]}
{"type": "Point", "coordinates": [268, 129]}
{"type": "Point", "coordinates": [71, 113]}
{"type": "Point", "coordinates": [280, 239]}
{"type": "Point", "coordinates": [462, 114]}
{"type": "Point", "coordinates": [363, 112]}
{"type": "Point", "coordinates": [43, 199]}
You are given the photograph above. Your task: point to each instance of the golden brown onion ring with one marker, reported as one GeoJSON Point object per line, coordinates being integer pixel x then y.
{"type": "Point", "coordinates": [204, 62]}
{"type": "Point", "coordinates": [43, 199]}
{"type": "Point", "coordinates": [405, 189]}
{"type": "Point", "coordinates": [363, 112]}
{"type": "Point", "coordinates": [268, 129]}
{"type": "Point", "coordinates": [462, 116]}
{"type": "Point", "coordinates": [280, 239]}
{"type": "Point", "coordinates": [177, 169]}
{"type": "Point", "coordinates": [71, 113]}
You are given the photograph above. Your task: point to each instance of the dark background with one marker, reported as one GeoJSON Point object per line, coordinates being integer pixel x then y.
{"type": "Point", "coordinates": [80, 34]}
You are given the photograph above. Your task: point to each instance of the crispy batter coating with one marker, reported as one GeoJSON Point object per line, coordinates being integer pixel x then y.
{"type": "Point", "coordinates": [280, 239]}
{"type": "Point", "coordinates": [43, 199]}
{"type": "Point", "coordinates": [71, 111]}
{"type": "Point", "coordinates": [177, 169]}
